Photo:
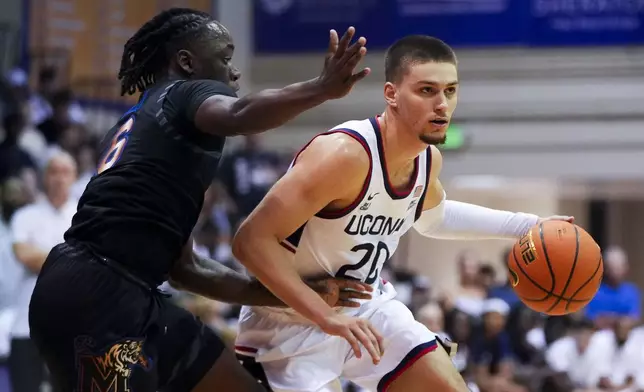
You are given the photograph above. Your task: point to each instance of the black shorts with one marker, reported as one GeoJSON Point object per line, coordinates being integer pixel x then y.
{"type": "Point", "coordinates": [99, 331]}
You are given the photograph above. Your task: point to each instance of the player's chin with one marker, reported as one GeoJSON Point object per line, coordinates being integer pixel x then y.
{"type": "Point", "coordinates": [433, 137]}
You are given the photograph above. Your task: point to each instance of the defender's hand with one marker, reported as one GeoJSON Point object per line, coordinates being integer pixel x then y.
{"type": "Point", "coordinates": [341, 292]}
{"type": "Point", "coordinates": [357, 332]}
{"type": "Point", "coordinates": [337, 76]}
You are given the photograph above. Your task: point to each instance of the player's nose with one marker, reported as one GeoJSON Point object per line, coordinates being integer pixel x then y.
{"type": "Point", "coordinates": [235, 74]}
{"type": "Point", "coordinates": [441, 107]}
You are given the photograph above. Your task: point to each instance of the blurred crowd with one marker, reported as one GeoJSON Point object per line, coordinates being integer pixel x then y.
{"type": "Point", "coordinates": [48, 154]}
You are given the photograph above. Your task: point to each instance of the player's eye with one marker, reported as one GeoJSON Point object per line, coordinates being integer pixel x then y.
{"type": "Point", "coordinates": [450, 90]}
{"type": "Point", "coordinates": [426, 90]}
{"type": "Point", "coordinates": [227, 60]}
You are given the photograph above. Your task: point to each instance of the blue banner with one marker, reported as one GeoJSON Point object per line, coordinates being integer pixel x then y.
{"type": "Point", "coordinates": [283, 26]}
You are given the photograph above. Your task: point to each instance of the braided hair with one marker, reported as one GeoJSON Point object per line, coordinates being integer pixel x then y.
{"type": "Point", "coordinates": [147, 52]}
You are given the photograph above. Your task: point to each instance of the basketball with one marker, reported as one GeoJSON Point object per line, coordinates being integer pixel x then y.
{"type": "Point", "coordinates": [556, 268]}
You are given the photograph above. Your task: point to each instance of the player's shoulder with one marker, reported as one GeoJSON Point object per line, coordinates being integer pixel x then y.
{"type": "Point", "coordinates": [344, 142]}
{"type": "Point", "coordinates": [185, 92]}
{"type": "Point", "coordinates": [199, 86]}
{"type": "Point", "coordinates": [337, 149]}
{"type": "Point", "coordinates": [354, 134]}
{"type": "Point", "coordinates": [354, 125]}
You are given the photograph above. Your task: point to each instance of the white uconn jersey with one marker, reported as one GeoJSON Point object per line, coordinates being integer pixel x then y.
{"type": "Point", "coordinates": [352, 243]}
{"type": "Point", "coordinates": [356, 241]}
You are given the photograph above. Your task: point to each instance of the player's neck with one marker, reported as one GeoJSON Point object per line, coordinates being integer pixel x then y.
{"type": "Point", "coordinates": [400, 145]}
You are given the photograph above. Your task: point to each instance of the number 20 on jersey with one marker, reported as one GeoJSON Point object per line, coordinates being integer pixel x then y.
{"type": "Point", "coordinates": [118, 145]}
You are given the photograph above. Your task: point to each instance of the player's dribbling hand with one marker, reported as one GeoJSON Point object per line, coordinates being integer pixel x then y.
{"type": "Point", "coordinates": [341, 292]}
{"type": "Point", "coordinates": [357, 332]}
{"type": "Point", "coordinates": [569, 219]}
{"type": "Point", "coordinates": [337, 76]}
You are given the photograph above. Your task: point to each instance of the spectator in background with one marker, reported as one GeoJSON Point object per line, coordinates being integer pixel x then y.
{"type": "Point", "coordinates": [11, 272]}
{"type": "Point", "coordinates": [35, 229]}
{"type": "Point", "coordinates": [458, 326]}
{"type": "Point", "coordinates": [569, 359]}
{"type": "Point", "coordinates": [470, 294]}
{"type": "Point", "coordinates": [420, 292]}
{"type": "Point", "coordinates": [618, 357]}
{"type": "Point", "coordinates": [520, 322]}
{"type": "Point", "coordinates": [491, 350]}
{"type": "Point", "coordinates": [431, 316]}
{"type": "Point", "coordinates": [73, 139]}
{"type": "Point", "coordinates": [248, 173]}
{"type": "Point", "coordinates": [41, 102]}
{"type": "Point", "coordinates": [54, 126]}
{"type": "Point", "coordinates": [14, 160]}
{"type": "Point", "coordinates": [17, 101]}
{"type": "Point", "coordinates": [615, 297]}
{"type": "Point", "coordinates": [487, 277]}
{"type": "Point", "coordinates": [556, 327]}
{"type": "Point", "coordinates": [213, 230]}
{"type": "Point", "coordinates": [87, 160]}
{"type": "Point", "coordinates": [13, 91]}
{"type": "Point", "coordinates": [505, 291]}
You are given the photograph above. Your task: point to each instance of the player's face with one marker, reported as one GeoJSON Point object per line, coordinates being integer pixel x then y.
{"type": "Point", "coordinates": [213, 58]}
{"type": "Point", "coordinates": [425, 99]}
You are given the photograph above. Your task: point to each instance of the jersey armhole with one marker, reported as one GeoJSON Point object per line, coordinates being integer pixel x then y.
{"type": "Point", "coordinates": [335, 214]}
{"type": "Point", "coordinates": [428, 171]}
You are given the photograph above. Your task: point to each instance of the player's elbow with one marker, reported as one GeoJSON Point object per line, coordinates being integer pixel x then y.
{"type": "Point", "coordinates": [243, 243]}
{"type": "Point", "coordinates": [237, 248]}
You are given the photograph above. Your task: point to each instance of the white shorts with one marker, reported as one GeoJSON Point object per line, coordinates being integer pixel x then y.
{"type": "Point", "coordinates": [298, 357]}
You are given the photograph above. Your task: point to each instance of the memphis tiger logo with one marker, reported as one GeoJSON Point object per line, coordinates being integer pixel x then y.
{"type": "Point", "coordinates": [110, 369]}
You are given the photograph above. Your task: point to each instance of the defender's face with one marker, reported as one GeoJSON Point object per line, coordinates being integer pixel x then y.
{"type": "Point", "coordinates": [425, 99]}
{"type": "Point", "coordinates": [213, 60]}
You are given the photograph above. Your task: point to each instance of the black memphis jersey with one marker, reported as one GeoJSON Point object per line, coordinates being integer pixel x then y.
{"type": "Point", "coordinates": [141, 206]}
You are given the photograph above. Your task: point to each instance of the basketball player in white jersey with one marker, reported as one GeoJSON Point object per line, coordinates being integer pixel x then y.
{"type": "Point", "coordinates": [348, 197]}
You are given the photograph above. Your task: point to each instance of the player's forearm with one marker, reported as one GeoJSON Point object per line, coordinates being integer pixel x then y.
{"type": "Point", "coordinates": [214, 280]}
{"type": "Point", "coordinates": [263, 258]}
{"type": "Point", "coordinates": [272, 108]}
{"type": "Point", "coordinates": [463, 221]}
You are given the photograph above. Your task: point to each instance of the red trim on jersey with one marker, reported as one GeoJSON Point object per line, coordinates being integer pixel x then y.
{"type": "Point", "coordinates": [411, 358]}
{"type": "Point", "coordinates": [428, 170]}
{"type": "Point", "coordinates": [288, 246]}
{"type": "Point", "coordinates": [393, 192]}
{"type": "Point", "coordinates": [245, 349]}
{"type": "Point", "coordinates": [335, 214]}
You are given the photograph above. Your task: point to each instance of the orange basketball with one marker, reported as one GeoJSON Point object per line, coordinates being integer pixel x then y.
{"type": "Point", "coordinates": [556, 268]}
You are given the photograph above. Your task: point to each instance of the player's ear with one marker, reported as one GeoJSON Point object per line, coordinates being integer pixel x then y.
{"type": "Point", "coordinates": [390, 94]}
{"type": "Point", "coordinates": [186, 61]}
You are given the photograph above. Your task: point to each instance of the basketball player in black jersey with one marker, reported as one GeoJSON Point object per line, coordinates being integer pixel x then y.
{"type": "Point", "coordinates": [95, 314]}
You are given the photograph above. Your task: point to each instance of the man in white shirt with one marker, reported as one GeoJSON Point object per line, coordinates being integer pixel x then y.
{"type": "Point", "coordinates": [618, 357]}
{"type": "Point", "coordinates": [35, 229]}
{"type": "Point", "coordinates": [570, 358]}
{"type": "Point", "coordinates": [11, 273]}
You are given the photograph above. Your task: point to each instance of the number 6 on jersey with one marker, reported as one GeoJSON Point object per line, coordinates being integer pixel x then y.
{"type": "Point", "coordinates": [116, 148]}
